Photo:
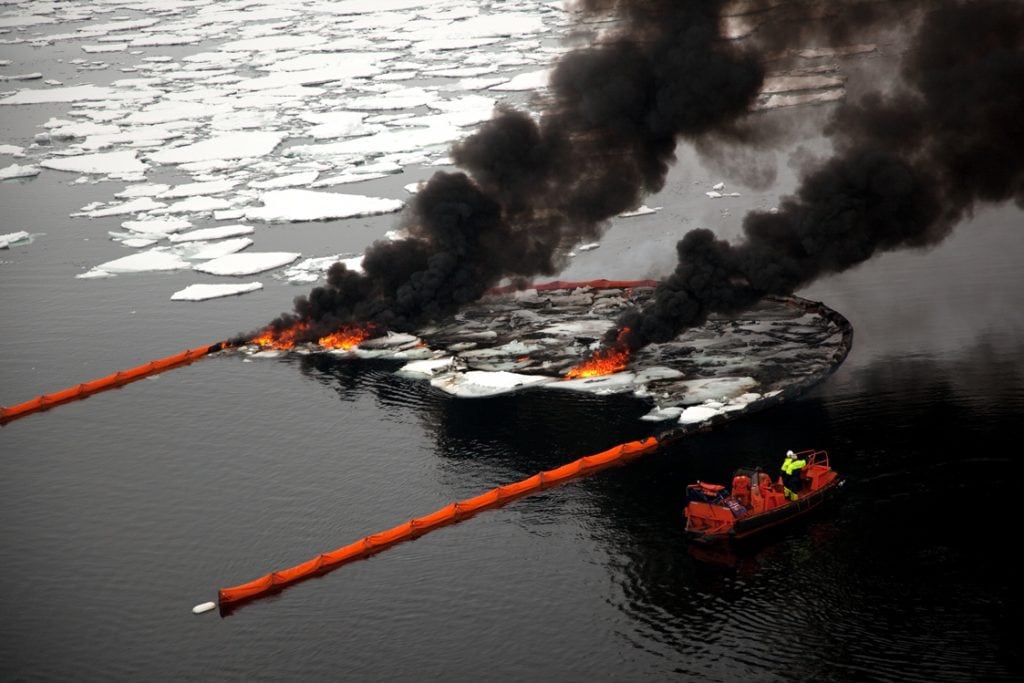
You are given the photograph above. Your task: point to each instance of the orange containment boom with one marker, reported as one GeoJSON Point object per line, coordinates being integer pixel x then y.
{"type": "Point", "coordinates": [117, 379]}
{"type": "Point", "coordinates": [449, 514]}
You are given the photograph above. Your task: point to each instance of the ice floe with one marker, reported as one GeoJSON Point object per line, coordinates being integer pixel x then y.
{"type": "Point", "coordinates": [20, 237]}
{"type": "Point", "coordinates": [238, 145]}
{"type": "Point", "coordinates": [642, 210]}
{"type": "Point", "coordinates": [312, 269]}
{"type": "Point", "coordinates": [202, 292]}
{"type": "Point", "coordinates": [480, 384]}
{"type": "Point", "coordinates": [152, 260]}
{"type": "Point", "coordinates": [205, 251]}
{"type": "Point", "coordinates": [247, 264]}
{"type": "Point", "coordinates": [120, 163]}
{"type": "Point", "coordinates": [282, 206]}
{"type": "Point", "coordinates": [219, 232]}
{"type": "Point", "coordinates": [16, 171]}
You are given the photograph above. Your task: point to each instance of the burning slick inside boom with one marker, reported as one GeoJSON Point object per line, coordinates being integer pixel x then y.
{"type": "Point", "coordinates": [549, 337]}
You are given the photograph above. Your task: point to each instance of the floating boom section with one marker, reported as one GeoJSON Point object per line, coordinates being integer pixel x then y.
{"type": "Point", "coordinates": [115, 380]}
{"type": "Point", "coordinates": [454, 512]}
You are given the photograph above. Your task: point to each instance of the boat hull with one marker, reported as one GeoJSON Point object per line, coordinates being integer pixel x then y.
{"type": "Point", "coordinates": [749, 525]}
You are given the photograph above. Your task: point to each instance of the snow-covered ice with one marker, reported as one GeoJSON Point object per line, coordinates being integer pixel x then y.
{"type": "Point", "coordinates": [219, 232]}
{"type": "Point", "coordinates": [16, 171]}
{"type": "Point", "coordinates": [108, 163]}
{"type": "Point", "coordinates": [152, 260]}
{"type": "Point", "coordinates": [13, 238]}
{"type": "Point", "coordinates": [480, 384]}
{"type": "Point", "coordinates": [247, 264]}
{"type": "Point", "coordinates": [202, 292]}
{"type": "Point", "coordinates": [281, 206]}
{"type": "Point", "coordinates": [238, 145]}
{"type": "Point", "coordinates": [205, 251]}
{"type": "Point", "coordinates": [642, 210]}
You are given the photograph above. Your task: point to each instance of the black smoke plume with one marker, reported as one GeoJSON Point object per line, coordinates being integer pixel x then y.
{"type": "Point", "coordinates": [533, 189]}
{"type": "Point", "coordinates": [909, 164]}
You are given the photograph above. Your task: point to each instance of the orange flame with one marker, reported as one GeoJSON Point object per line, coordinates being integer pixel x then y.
{"type": "Point", "coordinates": [604, 361]}
{"type": "Point", "coordinates": [346, 337]}
{"type": "Point", "coordinates": [280, 339]}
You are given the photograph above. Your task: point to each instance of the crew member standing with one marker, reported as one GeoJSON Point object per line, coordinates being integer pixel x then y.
{"type": "Point", "coordinates": [791, 467]}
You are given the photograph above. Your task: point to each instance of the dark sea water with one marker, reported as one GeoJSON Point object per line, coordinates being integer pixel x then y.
{"type": "Point", "coordinates": [121, 512]}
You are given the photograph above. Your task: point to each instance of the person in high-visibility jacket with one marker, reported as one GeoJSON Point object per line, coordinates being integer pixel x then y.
{"type": "Point", "coordinates": [791, 467]}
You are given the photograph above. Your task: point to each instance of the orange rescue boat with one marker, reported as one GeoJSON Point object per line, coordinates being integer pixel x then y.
{"type": "Point", "coordinates": [756, 501]}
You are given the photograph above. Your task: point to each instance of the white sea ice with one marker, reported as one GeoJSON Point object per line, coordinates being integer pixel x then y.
{"type": "Point", "coordinates": [206, 251]}
{"type": "Point", "coordinates": [216, 233]}
{"type": "Point", "coordinates": [347, 179]}
{"type": "Point", "coordinates": [643, 210]}
{"type": "Point", "coordinates": [532, 80]}
{"type": "Point", "coordinates": [615, 383]}
{"type": "Point", "coordinates": [312, 269]}
{"type": "Point", "coordinates": [16, 171]}
{"type": "Point", "coordinates": [193, 189]}
{"type": "Point", "coordinates": [662, 414]}
{"type": "Point", "coordinates": [239, 145]}
{"type": "Point", "coordinates": [19, 20]}
{"type": "Point", "coordinates": [14, 150]}
{"type": "Point", "coordinates": [695, 414]}
{"type": "Point", "coordinates": [724, 388]}
{"type": "Point", "coordinates": [247, 264]}
{"type": "Point", "coordinates": [479, 384]}
{"type": "Point", "coordinates": [135, 242]}
{"type": "Point", "coordinates": [13, 238]}
{"type": "Point", "coordinates": [108, 163]}
{"type": "Point", "coordinates": [159, 227]}
{"type": "Point", "coordinates": [387, 142]}
{"type": "Point", "coordinates": [281, 206]}
{"type": "Point", "coordinates": [430, 367]}
{"type": "Point", "coordinates": [142, 190]}
{"type": "Point", "coordinates": [202, 292]}
{"type": "Point", "coordinates": [137, 205]}
{"type": "Point", "coordinates": [105, 47]}
{"type": "Point", "coordinates": [338, 124]}
{"type": "Point", "coordinates": [152, 260]}
{"type": "Point", "coordinates": [195, 205]}
{"type": "Point", "coordinates": [303, 178]}
{"type": "Point", "coordinates": [75, 93]}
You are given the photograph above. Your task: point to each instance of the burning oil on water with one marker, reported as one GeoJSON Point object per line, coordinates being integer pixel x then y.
{"type": "Point", "coordinates": [550, 337]}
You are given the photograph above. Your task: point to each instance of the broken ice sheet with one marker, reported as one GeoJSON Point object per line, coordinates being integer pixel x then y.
{"type": "Point", "coordinates": [282, 206]}
{"type": "Point", "coordinates": [152, 260]}
{"type": "Point", "coordinates": [642, 210]}
{"type": "Point", "coordinates": [695, 414]}
{"type": "Point", "coordinates": [202, 292]}
{"type": "Point", "coordinates": [480, 384]}
{"type": "Point", "coordinates": [219, 232]}
{"type": "Point", "coordinates": [16, 171]}
{"type": "Point", "coordinates": [205, 251]}
{"type": "Point", "coordinates": [20, 237]}
{"type": "Point", "coordinates": [615, 383]}
{"type": "Point", "coordinates": [247, 264]}
{"type": "Point", "coordinates": [239, 145]}
{"type": "Point", "coordinates": [157, 227]}
{"type": "Point", "coordinates": [109, 163]}
{"type": "Point", "coordinates": [312, 269]}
